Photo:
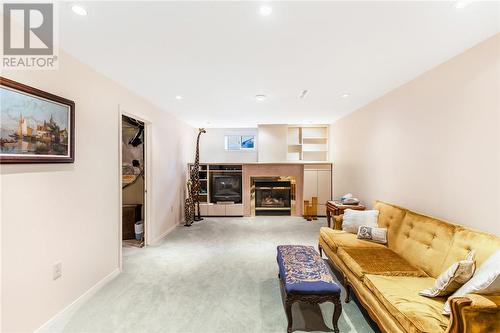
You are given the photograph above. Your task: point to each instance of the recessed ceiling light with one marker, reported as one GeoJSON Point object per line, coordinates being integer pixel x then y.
{"type": "Point", "coordinates": [461, 4]}
{"type": "Point", "coordinates": [265, 10]}
{"type": "Point", "coordinates": [345, 95]}
{"type": "Point", "coordinates": [260, 98]}
{"type": "Point", "coordinates": [178, 97]}
{"type": "Point", "coordinates": [77, 9]}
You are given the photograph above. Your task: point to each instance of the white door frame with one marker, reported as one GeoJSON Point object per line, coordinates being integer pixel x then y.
{"type": "Point", "coordinates": [147, 179]}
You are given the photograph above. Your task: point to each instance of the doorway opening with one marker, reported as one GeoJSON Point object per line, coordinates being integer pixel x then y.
{"type": "Point", "coordinates": [133, 182]}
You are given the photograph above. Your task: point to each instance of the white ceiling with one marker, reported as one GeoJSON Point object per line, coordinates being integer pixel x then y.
{"type": "Point", "coordinates": [219, 55]}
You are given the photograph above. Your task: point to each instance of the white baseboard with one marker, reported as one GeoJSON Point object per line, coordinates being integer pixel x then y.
{"type": "Point", "coordinates": [163, 235]}
{"type": "Point", "coordinates": [59, 321]}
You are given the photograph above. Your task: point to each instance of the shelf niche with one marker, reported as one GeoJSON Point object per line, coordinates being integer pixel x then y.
{"type": "Point", "coordinates": [307, 143]}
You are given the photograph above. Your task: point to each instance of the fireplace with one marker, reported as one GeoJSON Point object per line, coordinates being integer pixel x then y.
{"type": "Point", "coordinates": [273, 196]}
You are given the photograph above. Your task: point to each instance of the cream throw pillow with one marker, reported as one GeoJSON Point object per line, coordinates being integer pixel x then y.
{"type": "Point", "coordinates": [485, 281]}
{"type": "Point", "coordinates": [353, 219]}
{"type": "Point", "coordinates": [453, 278]}
{"type": "Point", "coordinates": [377, 235]}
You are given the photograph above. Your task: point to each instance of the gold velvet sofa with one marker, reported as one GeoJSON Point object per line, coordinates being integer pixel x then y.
{"type": "Point", "coordinates": [428, 246]}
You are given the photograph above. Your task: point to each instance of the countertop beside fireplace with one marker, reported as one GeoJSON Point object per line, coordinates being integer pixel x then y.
{"type": "Point", "coordinates": [267, 163]}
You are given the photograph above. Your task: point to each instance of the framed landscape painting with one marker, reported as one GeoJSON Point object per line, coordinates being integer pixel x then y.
{"type": "Point", "coordinates": [35, 126]}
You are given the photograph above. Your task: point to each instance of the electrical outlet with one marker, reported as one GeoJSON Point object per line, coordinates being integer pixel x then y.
{"type": "Point", "coordinates": [57, 270]}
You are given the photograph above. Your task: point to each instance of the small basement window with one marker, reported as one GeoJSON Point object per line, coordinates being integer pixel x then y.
{"type": "Point", "coordinates": [239, 142]}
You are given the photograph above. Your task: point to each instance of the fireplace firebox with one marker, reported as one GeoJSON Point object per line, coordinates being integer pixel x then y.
{"type": "Point", "coordinates": [273, 197]}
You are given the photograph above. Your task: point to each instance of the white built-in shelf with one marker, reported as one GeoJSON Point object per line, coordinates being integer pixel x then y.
{"type": "Point", "coordinates": [308, 140]}
{"type": "Point", "coordinates": [307, 143]}
{"type": "Point", "coordinates": [314, 150]}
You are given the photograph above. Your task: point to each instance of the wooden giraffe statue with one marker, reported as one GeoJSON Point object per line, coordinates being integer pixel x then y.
{"type": "Point", "coordinates": [189, 207]}
{"type": "Point", "coordinates": [195, 178]}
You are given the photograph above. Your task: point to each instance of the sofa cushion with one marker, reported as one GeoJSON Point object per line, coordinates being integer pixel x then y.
{"type": "Point", "coordinates": [381, 261]}
{"type": "Point", "coordinates": [390, 217]}
{"type": "Point", "coordinates": [453, 278]}
{"type": "Point", "coordinates": [465, 240]}
{"type": "Point", "coordinates": [424, 241]}
{"type": "Point", "coordinates": [339, 238]}
{"type": "Point", "coordinates": [400, 297]}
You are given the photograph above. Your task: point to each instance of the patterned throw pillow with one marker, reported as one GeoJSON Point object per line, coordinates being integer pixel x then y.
{"type": "Point", "coordinates": [453, 278]}
{"type": "Point", "coordinates": [377, 235]}
{"type": "Point", "coordinates": [486, 281]}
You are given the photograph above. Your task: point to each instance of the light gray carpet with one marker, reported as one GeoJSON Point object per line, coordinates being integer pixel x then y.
{"type": "Point", "coordinates": [220, 275]}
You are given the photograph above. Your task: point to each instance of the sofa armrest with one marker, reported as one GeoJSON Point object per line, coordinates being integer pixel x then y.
{"type": "Point", "coordinates": [474, 313]}
{"type": "Point", "coordinates": [337, 222]}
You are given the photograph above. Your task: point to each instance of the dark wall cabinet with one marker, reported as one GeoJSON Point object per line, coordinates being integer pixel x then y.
{"type": "Point", "coordinates": [130, 215]}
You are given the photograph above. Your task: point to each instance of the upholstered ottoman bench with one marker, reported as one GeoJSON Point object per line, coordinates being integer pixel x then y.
{"type": "Point", "coordinates": [305, 277]}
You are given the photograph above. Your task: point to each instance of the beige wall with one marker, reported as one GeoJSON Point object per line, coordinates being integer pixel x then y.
{"type": "Point", "coordinates": [432, 145]}
{"type": "Point", "coordinates": [273, 145]}
{"type": "Point", "coordinates": [70, 212]}
{"type": "Point", "coordinates": [212, 146]}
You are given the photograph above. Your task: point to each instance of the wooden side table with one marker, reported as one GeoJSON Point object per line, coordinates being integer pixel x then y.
{"type": "Point", "coordinates": [334, 208]}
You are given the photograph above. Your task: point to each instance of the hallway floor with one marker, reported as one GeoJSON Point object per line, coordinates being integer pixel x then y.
{"type": "Point", "coordinates": [220, 275]}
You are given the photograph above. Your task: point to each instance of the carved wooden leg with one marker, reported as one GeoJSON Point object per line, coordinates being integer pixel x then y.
{"type": "Point", "coordinates": [328, 218]}
{"type": "Point", "coordinates": [347, 291]}
{"type": "Point", "coordinates": [336, 313]}
{"type": "Point", "coordinates": [320, 250]}
{"type": "Point", "coordinates": [288, 311]}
